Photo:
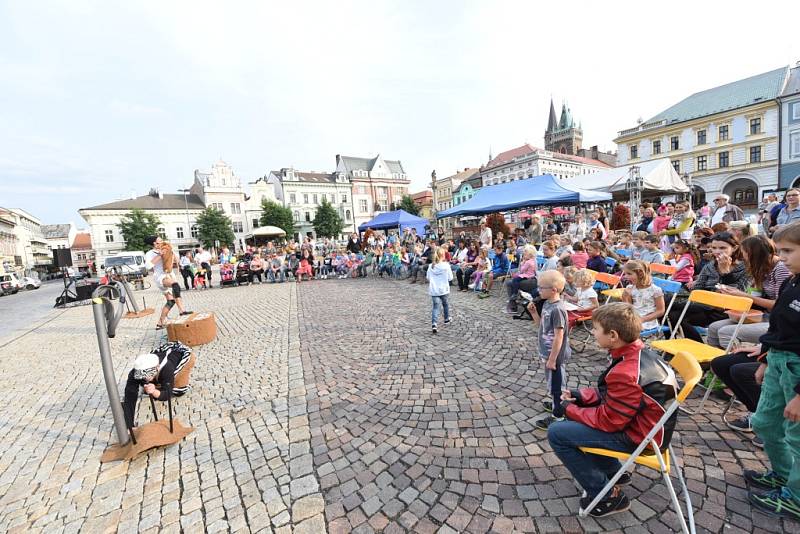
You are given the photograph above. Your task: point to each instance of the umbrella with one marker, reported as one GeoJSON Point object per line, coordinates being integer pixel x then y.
{"type": "Point", "coordinates": [560, 211]}
{"type": "Point", "coordinates": [524, 215]}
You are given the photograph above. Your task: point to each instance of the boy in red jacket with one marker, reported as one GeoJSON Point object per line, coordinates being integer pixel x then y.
{"type": "Point", "coordinates": [628, 402]}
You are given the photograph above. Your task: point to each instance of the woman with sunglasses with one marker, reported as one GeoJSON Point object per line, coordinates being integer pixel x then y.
{"type": "Point", "coordinates": [726, 270]}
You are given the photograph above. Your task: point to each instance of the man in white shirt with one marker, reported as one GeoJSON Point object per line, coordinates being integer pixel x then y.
{"type": "Point", "coordinates": [203, 260]}
{"type": "Point", "coordinates": [486, 235]}
{"type": "Point", "coordinates": [163, 279]}
{"type": "Point", "coordinates": [726, 212]}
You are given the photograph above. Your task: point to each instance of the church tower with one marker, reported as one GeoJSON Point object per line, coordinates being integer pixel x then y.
{"type": "Point", "coordinates": [563, 136]}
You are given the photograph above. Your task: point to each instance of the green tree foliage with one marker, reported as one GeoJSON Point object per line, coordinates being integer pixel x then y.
{"type": "Point", "coordinates": [213, 225]}
{"type": "Point", "coordinates": [273, 214]}
{"type": "Point", "coordinates": [137, 225]}
{"type": "Point", "coordinates": [407, 204]}
{"type": "Point", "coordinates": [327, 222]}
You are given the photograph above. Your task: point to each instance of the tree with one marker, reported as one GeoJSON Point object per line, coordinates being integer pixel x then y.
{"type": "Point", "coordinates": [407, 204]}
{"type": "Point", "coordinates": [137, 225]}
{"type": "Point", "coordinates": [213, 225]}
{"type": "Point", "coordinates": [497, 223]}
{"type": "Point", "coordinates": [273, 214]}
{"type": "Point", "coordinates": [327, 222]}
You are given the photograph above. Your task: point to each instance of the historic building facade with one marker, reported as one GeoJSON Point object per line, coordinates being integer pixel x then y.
{"type": "Point", "coordinates": [424, 201]}
{"type": "Point", "coordinates": [377, 184]}
{"type": "Point", "coordinates": [724, 139]}
{"type": "Point", "coordinates": [526, 161]}
{"type": "Point", "coordinates": [444, 195]}
{"type": "Point", "coordinates": [789, 149]}
{"type": "Point", "coordinates": [222, 189]}
{"type": "Point", "coordinates": [303, 192]}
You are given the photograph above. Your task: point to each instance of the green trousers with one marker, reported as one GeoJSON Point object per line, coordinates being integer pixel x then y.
{"type": "Point", "coordinates": [781, 437]}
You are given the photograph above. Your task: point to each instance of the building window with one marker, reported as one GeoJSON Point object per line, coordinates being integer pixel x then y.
{"type": "Point", "coordinates": [195, 231]}
{"type": "Point", "coordinates": [744, 197]}
{"type": "Point", "coordinates": [634, 150]}
{"type": "Point", "coordinates": [292, 198]}
{"type": "Point", "coordinates": [723, 133]}
{"type": "Point", "coordinates": [162, 232]}
{"type": "Point", "coordinates": [296, 215]}
{"type": "Point", "coordinates": [794, 143]}
{"type": "Point", "coordinates": [701, 137]}
{"type": "Point", "coordinates": [723, 159]}
{"type": "Point", "coordinates": [344, 198]}
{"type": "Point", "coordinates": [755, 126]}
{"type": "Point", "coordinates": [347, 215]}
{"type": "Point", "coordinates": [656, 147]}
{"type": "Point", "coordinates": [237, 227]}
{"type": "Point", "coordinates": [255, 223]}
{"type": "Point", "coordinates": [676, 164]}
{"type": "Point", "coordinates": [179, 232]}
{"type": "Point", "coordinates": [308, 216]}
{"type": "Point", "coordinates": [316, 198]}
{"type": "Point", "coordinates": [236, 208]}
{"type": "Point", "coordinates": [755, 154]}
{"type": "Point", "coordinates": [305, 198]}
{"type": "Point", "coordinates": [109, 236]}
{"type": "Point", "coordinates": [362, 205]}
{"type": "Point", "coordinates": [218, 206]}
{"type": "Point", "coordinates": [702, 163]}
{"type": "Point", "coordinates": [674, 143]}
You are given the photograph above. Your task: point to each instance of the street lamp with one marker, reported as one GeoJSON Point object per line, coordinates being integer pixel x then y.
{"type": "Point", "coordinates": [186, 204]}
{"type": "Point", "coordinates": [435, 210]}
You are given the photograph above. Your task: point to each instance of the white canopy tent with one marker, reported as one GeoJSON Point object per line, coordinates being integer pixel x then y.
{"type": "Point", "coordinates": [657, 175]}
{"type": "Point", "coordinates": [262, 234]}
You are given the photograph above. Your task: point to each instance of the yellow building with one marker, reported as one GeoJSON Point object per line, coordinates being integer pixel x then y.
{"type": "Point", "coordinates": [724, 139]}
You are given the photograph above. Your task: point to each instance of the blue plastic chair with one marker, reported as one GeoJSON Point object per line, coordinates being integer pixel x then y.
{"type": "Point", "coordinates": [611, 263]}
{"type": "Point", "coordinates": [624, 252]}
{"type": "Point", "coordinates": [540, 261]}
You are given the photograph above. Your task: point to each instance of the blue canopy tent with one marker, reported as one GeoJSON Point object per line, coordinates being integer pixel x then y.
{"type": "Point", "coordinates": [544, 190]}
{"type": "Point", "coordinates": [396, 219]}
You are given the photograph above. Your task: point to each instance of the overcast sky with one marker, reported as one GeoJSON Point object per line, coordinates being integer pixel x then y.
{"type": "Point", "coordinates": [101, 98]}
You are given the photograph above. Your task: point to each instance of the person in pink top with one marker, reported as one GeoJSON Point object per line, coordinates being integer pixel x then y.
{"type": "Point", "coordinates": [662, 220]}
{"type": "Point", "coordinates": [687, 258]}
{"type": "Point", "coordinates": [579, 256]}
{"type": "Point", "coordinates": [524, 279]}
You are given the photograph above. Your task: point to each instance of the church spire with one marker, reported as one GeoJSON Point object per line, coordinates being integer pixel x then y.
{"type": "Point", "coordinates": [551, 122]}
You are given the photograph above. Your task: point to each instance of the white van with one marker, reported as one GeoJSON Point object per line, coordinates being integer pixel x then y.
{"type": "Point", "coordinates": [128, 262]}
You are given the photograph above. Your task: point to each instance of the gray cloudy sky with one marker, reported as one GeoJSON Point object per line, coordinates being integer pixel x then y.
{"type": "Point", "coordinates": [101, 98]}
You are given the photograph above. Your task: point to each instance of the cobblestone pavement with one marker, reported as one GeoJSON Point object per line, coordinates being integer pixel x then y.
{"type": "Point", "coordinates": [330, 406]}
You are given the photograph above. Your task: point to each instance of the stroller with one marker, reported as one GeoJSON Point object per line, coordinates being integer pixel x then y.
{"type": "Point", "coordinates": [226, 275]}
{"type": "Point", "coordinates": [242, 273]}
{"type": "Point", "coordinates": [200, 280]}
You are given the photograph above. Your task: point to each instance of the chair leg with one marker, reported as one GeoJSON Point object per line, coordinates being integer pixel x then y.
{"type": "Point", "coordinates": [703, 401]}
{"type": "Point", "coordinates": [675, 502]}
{"type": "Point", "coordinates": [169, 407]}
{"type": "Point", "coordinates": [686, 496]}
{"type": "Point", "coordinates": [153, 406]}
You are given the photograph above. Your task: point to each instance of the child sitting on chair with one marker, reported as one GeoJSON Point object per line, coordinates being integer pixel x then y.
{"type": "Point", "coordinates": [647, 299]}
{"type": "Point", "coordinates": [585, 297]}
{"type": "Point", "coordinates": [628, 402]}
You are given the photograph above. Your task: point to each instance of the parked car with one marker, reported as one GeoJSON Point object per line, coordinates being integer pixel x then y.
{"type": "Point", "coordinates": [12, 281]}
{"type": "Point", "coordinates": [31, 283]}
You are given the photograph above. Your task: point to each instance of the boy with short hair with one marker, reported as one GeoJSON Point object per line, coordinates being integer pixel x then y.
{"type": "Point", "coordinates": [638, 245]}
{"type": "Point", "coordinates": [500, 266]}
{"type": "Point", "coordinates": [652, 254]}
{"type": "Point", "coordinates": [554, 349]}
{"type": "Point", "coordinates": [628, 402]}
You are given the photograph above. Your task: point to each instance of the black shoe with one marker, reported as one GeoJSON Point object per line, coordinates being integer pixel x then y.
{"type": "Point", "coordinates": [614, 503]}
{"type": "Point", "coordinates": [548, 405]}
{"type": "Point", "coordinates": [776, 502]}
{"type": "Point", "coordinates": [545, 422]}
{"type": "Point", "coordinates": [434, 329]}
{"type": "Point", "coordinates": [448, 321]}
{"type": "Point", "coordinates": [186, 313]}
{"type": "Point", "coordinates": [624, 480]}
{"type": "Point", "coordinates": [742, 424]}
{"type": "Point", "coordinates": [758, 442]}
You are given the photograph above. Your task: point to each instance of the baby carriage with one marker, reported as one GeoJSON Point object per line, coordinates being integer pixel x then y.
{"type": "Point", "coordinates": [226, 275]}
{"type": "Point", "coordinates": [242, 273]}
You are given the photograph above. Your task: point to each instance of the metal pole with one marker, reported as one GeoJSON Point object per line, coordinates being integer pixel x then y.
{"type": "Point", "coordinates": [129, 292]}
{"type": "Point", "coordinates": [108, 370]}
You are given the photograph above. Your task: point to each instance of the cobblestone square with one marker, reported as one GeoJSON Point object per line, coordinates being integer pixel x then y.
{"type": "Point", "coordinates": [329, 406]}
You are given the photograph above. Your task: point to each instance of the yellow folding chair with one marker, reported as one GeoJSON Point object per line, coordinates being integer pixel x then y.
{"type": "Point", "coordinates": [700, 351]}
{"type": "Point", "coordinates": [687, 368]}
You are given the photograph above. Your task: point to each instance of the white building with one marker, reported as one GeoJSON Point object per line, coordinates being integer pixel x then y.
{"type": "Point", "coordinates": [527, 161]}
{"type": "Point", "coordinates": [790, 131]}
{"type": "Point", "coordinates": [377, 184]}
{"type": "Point", "coordinates": [725, 139]}
{"type": "Point", "coordinates": [221, 188]}
{"type": "Point", "coordinates": [303, 192]}
{"type": "Point", "coordinates": [23, 247]}
{"type": "Point", "coordinates": [265, 188]}
{"type": "Point", "coordinates": [177, 213]}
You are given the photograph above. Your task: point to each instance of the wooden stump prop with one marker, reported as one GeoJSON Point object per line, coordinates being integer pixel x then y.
{"type": "Point", "coordinates": [142, 313]}
{"type": "Point", "coordinates": [149, 436]}
{"type": "Point", "coordinates": [194, 329]}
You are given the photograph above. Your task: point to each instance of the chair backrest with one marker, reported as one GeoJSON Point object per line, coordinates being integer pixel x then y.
{"type": "Point", "coordinates": [688, 368]}
{"type": "Point", "coordinates": [662, 268]}
{"type": "Point", "coordinates": [667, 286]}
{"type": "Point", "coordinates": [611, 262]}
{"type": "Point", "coordinates": [718, 300]}
{"type": "Point", "coordinates": [624, 252]}
{"type": "Point", "coordinates": [608, 279]}
{"type": "Point", "coordinates": [540, 261]}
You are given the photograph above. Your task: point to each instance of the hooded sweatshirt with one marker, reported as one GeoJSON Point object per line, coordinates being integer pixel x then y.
{"type": "Point", "coordinates": [439, 276]}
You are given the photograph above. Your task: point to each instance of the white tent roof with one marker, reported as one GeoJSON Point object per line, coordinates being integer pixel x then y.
{"type": "Point", "coordinates": [657, 175]}
{"type": "Point", "coordinates": [266, 231]}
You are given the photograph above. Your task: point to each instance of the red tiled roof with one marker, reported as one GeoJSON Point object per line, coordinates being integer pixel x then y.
{"type": "Point", "coordinates": [82, 240]}
{"type": "Point", "coordinates": [422, 196]}
{"type": "Point", "coordinates": [504, 157]}
{"type": "Point", "coordinates": [579, 159]}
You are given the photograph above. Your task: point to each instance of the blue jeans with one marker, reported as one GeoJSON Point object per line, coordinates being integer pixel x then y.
{"type": "Point", "coordinates": [590, 470]}
{"type": "Point", "coordinates": [440, 302]}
